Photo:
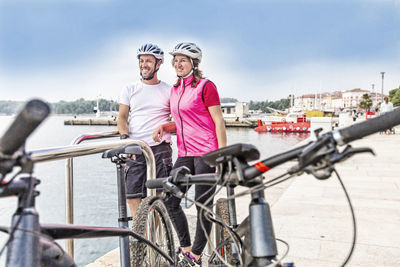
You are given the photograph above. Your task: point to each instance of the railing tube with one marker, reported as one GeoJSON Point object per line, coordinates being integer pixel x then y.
{"type": "Point", "coordinates": [69, 202]}
{"type": "Point", "coordinates": [75, 150]}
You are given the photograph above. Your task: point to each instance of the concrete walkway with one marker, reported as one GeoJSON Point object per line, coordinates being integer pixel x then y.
{"type": "Point", "coordinates": [314, 218]}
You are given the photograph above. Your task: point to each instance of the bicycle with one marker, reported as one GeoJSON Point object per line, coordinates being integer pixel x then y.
{"type": "Point", "coordinates": [33, 244]}
{"type": "Point", "coordinates": [252, 242]}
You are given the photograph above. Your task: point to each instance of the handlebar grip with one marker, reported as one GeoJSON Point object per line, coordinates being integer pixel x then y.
{"type": "Point", "coordinates": [360, 130]}
{"type": "Point", "coordinates": [33, 113]}
{"type": "Point", "coordinates": [155, 183]}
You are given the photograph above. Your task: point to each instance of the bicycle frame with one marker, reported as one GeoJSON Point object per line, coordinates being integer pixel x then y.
{"type": "Point", "coordinates": [28, 229]}
{"type": "Point", "coordinates": [28, 220]}
{"type": "Point", "coordinates": [262, 236]}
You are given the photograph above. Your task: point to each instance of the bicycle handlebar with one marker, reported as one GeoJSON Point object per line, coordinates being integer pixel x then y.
{"type": "Point", "coordinates": [29, 118]}
{"type": "Point", "coordinates": [341, 137]}
{"type": "Point", "coordinates": [360, 130]}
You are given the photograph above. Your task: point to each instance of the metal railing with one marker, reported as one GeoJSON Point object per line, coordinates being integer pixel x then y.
{"type": "Point", "coordinates": [75, 150]}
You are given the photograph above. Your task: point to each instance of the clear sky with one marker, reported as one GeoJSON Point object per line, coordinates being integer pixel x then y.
{"type": "Point", "coordinates": [252, 49]}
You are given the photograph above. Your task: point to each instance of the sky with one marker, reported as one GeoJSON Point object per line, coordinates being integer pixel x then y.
{"type": "Point", "coordinates": [252, 49]}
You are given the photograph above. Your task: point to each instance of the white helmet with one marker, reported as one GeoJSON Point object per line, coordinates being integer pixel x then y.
{"type": "Point", "coordinates": [151, 49]}
{"type": "Point", "coordinates": [188, 49]}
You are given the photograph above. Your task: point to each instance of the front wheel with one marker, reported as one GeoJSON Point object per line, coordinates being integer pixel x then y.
{"type": "Point", "coordinates": [152, 222]}
{"type": "Point", "coordinates": [221, 233]}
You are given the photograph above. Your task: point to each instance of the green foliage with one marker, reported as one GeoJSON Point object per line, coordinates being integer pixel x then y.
{"type": "Point", "coordinates": [366, 103]}
{"type": "Point", "coordinates": [10, 107]}
{"type": "Point", "coordinates": [281, 104]}
{"type": "Point", "coordinates": [394, 97]}
{"type": "Point", "coordinates": [80, 106]}
{"type": "Point", "coordinates": [228, 100]}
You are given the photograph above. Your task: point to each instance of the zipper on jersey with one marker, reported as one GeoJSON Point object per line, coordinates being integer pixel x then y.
{"type": "Point", "coordinates": [179, 112]}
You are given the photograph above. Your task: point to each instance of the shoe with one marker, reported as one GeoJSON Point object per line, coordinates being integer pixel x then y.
{"type": "Point", "coordinates": [186, 260]}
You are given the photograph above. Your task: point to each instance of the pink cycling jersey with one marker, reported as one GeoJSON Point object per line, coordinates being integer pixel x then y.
{"type": "Point", "coordinates": [195, 129]}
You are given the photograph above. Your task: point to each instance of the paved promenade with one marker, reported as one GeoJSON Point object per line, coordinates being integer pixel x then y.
{"type": "Point", "coordinates": [314, 218]}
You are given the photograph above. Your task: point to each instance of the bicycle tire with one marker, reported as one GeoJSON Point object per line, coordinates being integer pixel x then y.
{"type": "Point", "coordinates": [152, 221]}
{"type": "Point", "coordinates": [221, 233]}
{"type": "Point", "coordinates": [53, 255]}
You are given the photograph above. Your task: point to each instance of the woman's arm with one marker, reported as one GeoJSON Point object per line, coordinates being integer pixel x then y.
{"type": "Point", "coordinates": [216, 115]}
{"type": "Point", "coordinates": [159, 132]}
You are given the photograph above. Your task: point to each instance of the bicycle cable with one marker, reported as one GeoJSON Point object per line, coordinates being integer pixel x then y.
{"type": "Point", "coordinates": [41, 235]}
{"type": "Point", "coordinates": [287, 249]}
{"type": "Point", "coordinates": [11, 235]}
{"type": "Point", "coordinates": [230, 231]}
{"type": "Point", "coordinates": [353, 218]}
{"type": "Point", "coordinates": [220, 221]}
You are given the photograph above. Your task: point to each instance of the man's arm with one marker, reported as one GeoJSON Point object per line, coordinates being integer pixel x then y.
{"type": "Point", "coordinates": [122, 122]}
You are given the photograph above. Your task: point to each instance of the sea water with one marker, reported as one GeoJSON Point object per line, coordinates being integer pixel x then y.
{"type": "Point", "coordinates": [95, 189]}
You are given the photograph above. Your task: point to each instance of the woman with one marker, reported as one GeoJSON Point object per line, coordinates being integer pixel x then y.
{"type": "Point", "coordinates": [200, 129]}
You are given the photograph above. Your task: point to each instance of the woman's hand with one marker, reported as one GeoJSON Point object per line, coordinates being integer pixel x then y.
{"type": "Point", "coordinates": [158, 134]}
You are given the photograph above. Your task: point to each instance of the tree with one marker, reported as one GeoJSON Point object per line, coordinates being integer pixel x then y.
{"type": "Point", "coordinates": [228, 100]}
{"type": "Point", "coordinates": [366, 103]}
{"type": "Point", "coordinates": [394, 97]}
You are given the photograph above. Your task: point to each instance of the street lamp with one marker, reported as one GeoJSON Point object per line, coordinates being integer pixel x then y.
{"type": "Point", "coordinates": [376, 94]}
{"type": "Point", "coordinates": [383, 75]}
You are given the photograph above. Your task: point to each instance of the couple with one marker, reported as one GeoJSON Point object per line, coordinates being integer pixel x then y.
{"type": "Point", "coordinates": [195, 107]}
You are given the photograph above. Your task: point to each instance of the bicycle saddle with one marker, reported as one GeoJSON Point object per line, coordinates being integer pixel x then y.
{"type": "Point", "coordinates": [244, 152]}
{"type": "Point", "coordinates": [128, 149]}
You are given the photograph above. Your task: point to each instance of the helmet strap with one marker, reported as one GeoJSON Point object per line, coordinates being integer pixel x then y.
{"type": "Point", "coordinates": [188, 75]}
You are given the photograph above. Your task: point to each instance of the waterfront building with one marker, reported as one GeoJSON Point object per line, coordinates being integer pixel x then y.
{"type": "Point", "coordinates": [337, 100]}
{"type": "Point", "coordinates": [236, 110]}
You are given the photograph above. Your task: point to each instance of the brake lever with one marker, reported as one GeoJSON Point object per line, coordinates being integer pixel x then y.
{"type": "Point", "coordinates": [308, 164]}
{"type": "Point", "coordinates": [170, 184]}
{"type": "Point", "coordinates": [325, 166]}
{"type": "Point", "coordinates": [348, 152]}
{"type": "Point", "coordinates": [172, 189]}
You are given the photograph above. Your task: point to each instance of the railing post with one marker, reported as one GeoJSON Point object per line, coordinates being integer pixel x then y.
{"type": "Point", "coordinates": [69, 201]}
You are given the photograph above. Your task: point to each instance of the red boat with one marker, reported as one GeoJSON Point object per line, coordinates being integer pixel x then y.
{"type": "Point", "coordinates": [300, 126]}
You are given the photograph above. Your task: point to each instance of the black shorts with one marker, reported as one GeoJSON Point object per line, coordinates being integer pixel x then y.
{"type": "Point", "coordinates": [136, 170]}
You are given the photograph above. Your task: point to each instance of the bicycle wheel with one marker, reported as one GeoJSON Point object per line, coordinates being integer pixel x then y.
{"type": "Point", "coordinates": [152, 222]}
{"type": "Point", "coordinates": [53, 255]}
{"type": "Point", "coordinates": [221, 233]}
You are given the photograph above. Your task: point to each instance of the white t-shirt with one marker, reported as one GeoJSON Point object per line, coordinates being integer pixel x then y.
{"type": "Point", "coordinates": [386, 107]}
{"type": "Point", "coordinates": [148, 108]}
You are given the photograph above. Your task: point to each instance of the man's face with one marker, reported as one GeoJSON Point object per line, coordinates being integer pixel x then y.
{"type": "Point", "coordinates": [147, 65]}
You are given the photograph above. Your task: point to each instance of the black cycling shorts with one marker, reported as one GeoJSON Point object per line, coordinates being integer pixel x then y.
{"type": "Point", "coordinates": [136, 171]}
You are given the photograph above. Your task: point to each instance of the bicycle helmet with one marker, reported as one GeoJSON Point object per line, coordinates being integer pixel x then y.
{"type": "Point", "coordinates": [151, 49]}
{"type": "Point", "coordinates": [188, 49]}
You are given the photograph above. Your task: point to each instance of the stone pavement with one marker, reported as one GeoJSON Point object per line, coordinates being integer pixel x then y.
{"type": "Point", "coordinates": [314, 218]}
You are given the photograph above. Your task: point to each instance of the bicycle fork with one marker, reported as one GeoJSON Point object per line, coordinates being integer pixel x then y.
{"type": "Point", "coordinates": [263, 243]}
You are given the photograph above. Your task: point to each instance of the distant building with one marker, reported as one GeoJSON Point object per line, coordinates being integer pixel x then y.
{"type": "Point", "coordinates": [336, 100]}
{"type": "Point", "coordinates": [235, 110]}
{"type": "Point", "coordinates": [352, 98]}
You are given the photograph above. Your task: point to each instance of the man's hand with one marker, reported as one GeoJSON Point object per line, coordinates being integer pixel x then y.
{"type": "Point", "coordinates": [158, 134]}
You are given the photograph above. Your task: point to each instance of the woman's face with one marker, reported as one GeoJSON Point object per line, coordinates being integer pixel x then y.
{"type": "Point", "coordinates": [182, 65]}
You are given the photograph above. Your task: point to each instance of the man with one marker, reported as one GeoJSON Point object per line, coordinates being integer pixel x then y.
{"type": "Point", "coordinates": [387, 106]}
{"type": "Point", "coordinates": [144, 105]}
